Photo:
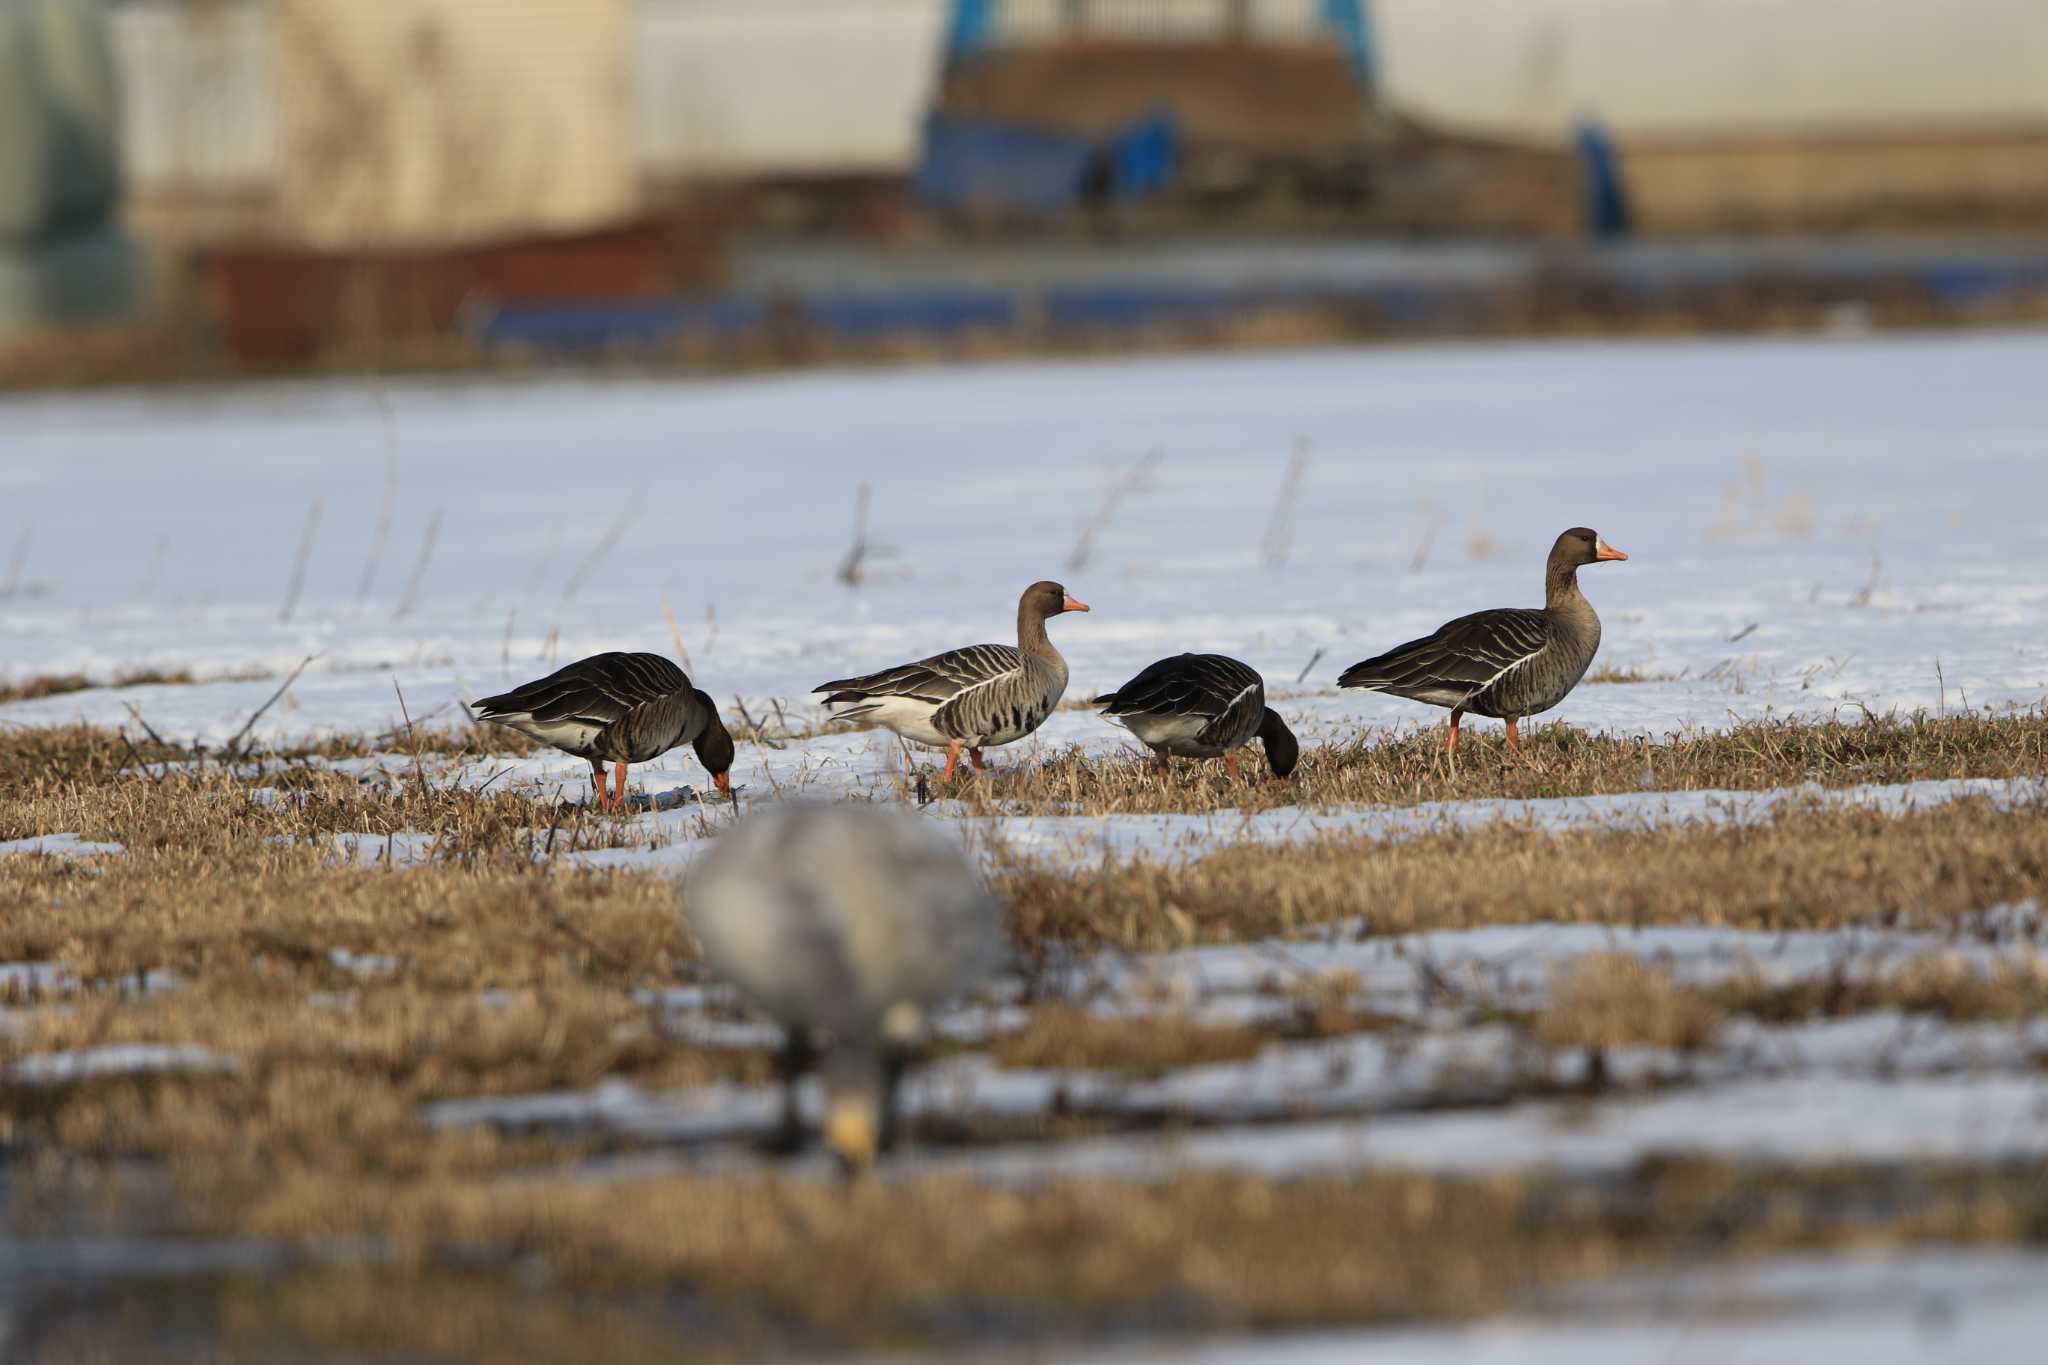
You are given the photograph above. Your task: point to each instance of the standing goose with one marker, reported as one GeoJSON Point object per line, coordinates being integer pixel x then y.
{"type": "Point", "coordinates": [1508, 662]}
{"type": "Point", "coordinates": [845, 923]}
{"type": "Point", "coordinates": [974, 697]}
{"type": "Point", "coordinates": [617, 708]}
{"type": "Point", "coordinates": [1202, 706]}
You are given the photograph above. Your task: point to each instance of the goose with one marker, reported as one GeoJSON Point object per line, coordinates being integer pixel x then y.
{"type": "Point", "coordinates": [1202, 706]}
{"type": "Point", "coordinates": [617, 708]}
{"type": "Point", "coordinates": [845, 923]}
{"type": "Point", "coordinates": [1508, 662]}
{"type": "Point", "coordinates": [973, 698]}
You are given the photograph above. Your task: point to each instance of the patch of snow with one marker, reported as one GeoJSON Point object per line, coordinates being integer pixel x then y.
{"type": "Point", "coordinates": [1507, 966]}
{"type": "Point", "coordinates": [1937, 1307]}
{"type": "Point", "coordinates": [1384, 1098]}
{"type": "Point", "coordinates": [1805, 1119]}
{"type": "Point", "coordinates": [362, 964]}
{"type": "Point", "coordinates": [1818, 526]}
{"type": "Point", "coordinates": [406, 848]}
{"type": "Point", "coordinates": [117, 1059]}
{"type": "Point", "coordinates": [1090, 839]}
{"type": "Point", "coordinates": [57, 846]}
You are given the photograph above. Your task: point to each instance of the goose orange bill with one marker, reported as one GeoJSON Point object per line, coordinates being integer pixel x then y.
{"type": "Point", "coordinates": [1074, 604]}
{"type": "Point", "coordinates": [1602, 550]}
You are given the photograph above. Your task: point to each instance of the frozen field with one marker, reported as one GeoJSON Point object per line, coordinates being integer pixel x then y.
{"type": "Point", "coordinates": [1862, 514]}
{"type": "Point", "coordinates": [1819, 531]}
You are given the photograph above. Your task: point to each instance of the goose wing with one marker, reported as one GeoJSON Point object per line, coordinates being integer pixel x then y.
{"type": "Point", "coordinates": [937, 680]}
{"type": "Point", "coordinates": [1459, 661]}
{"type": "Point", "coordinates": [600, 690]}
{"type": "Point", "coordinates": [1226, 694]}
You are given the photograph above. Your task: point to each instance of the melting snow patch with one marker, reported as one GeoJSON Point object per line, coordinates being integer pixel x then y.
{"type": "Point", "coordinates": [1942, 1307]}
{"type": "Point", "coordinates": [121, 1059]}
{"type": "Point", "coordinates": [1088, 839]}
{"type": "Point", "coordinates": [407, 849]}
{"type": "Point", "coordinates": [58, 846]}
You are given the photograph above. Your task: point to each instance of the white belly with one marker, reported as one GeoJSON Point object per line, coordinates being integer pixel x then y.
{"type": "Point", "coordinates": [909, 717]}
{"type": "Point", "coordinates": [571, 736]}
{"type": "Point", "coordinates": [1176, 735]}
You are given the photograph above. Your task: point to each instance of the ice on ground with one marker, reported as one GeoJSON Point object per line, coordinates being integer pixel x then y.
{"type": "Point", "coordinates": [1815, 525]}
{"type": "Point", "coordinates": [1950, 1306]}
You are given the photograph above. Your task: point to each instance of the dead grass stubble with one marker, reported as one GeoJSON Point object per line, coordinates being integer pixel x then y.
{"type": "Point", "coordinates": [504, 974]}
{"type": "Point", "coordinates": [1556, 760]}
{"type": "Point", "coordinates": [1811, 868]}
{"type": "Point", "coordinates": [886, 1261]}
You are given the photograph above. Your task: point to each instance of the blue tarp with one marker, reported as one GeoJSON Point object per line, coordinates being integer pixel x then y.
{"type": "Point", "coordinates": [989, 166]}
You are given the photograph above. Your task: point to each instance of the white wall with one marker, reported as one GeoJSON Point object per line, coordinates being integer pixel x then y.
{"type": "Point", "coordinates": [197, 109]}
{"type": "Point", "coordinates": [792, 86]}
{"type": "Point", "coordinates": [1716, 66]}
{"type": "Point", "coordinates": [784, 86]}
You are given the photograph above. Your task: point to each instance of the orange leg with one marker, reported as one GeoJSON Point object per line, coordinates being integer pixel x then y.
{"type": "Point", "coordinates": [952, 760]}
{"type": "Point", "coordinates": [619, 791]}
{"type": "Point", "coordinates": [1165, 765]}
{"type": "Point", "coordinates": [975, 756]}
{"type": "Point", "coordinates": [597, 783]}
{"type": "Point", "coordinates": [1230, 762]}
{"type": "Point", "coordinates": [1514, 739]}
{"type": "Point", "coordinates": [1451, 744]}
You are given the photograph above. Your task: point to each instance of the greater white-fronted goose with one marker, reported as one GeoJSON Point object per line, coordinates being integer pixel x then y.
{"type": "Point", "coordinates": [845, 923]}
{"type": "Point", "coordinates": [617, 708]}
{"type": "Point", "coordinates": [1509, 662]}
{"type": "Point", "coordinates": [972, 698]}
{"type": "Point", "coordinates": [1202, 706]}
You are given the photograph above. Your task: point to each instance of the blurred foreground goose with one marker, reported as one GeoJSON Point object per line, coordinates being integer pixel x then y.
{"type": "Point", "coordinates": [974, 697]}
{"type": "Point", "coordinates": [617, 708]}
{"type": "Point", "coordinates": [1202, 706]}
{"type": "Point", "coordinates": [1509, 662]}
{"type": "Point", "coordinates": [846, 923]}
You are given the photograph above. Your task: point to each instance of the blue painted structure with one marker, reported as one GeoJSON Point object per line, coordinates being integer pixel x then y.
{"type": "Point", "coordinates": [984, 165]}
{"type": "Point", "coordinates": [1607, 211]}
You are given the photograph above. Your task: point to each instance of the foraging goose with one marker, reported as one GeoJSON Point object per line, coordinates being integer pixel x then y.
{"type": "Point", "coordinates": [1202, 706]}
{"type": "Point", "coordinates": [617, 708]}
{"type": "Point", "coordinates": [972, 698]}
{"type": "Point", "coordinates": [846, 923]}
{"type": "Point", "coordinates": [1509, 662]}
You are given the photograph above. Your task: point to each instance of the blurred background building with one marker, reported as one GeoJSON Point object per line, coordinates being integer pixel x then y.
{"type": "Point", "coordinates": [776, 177]}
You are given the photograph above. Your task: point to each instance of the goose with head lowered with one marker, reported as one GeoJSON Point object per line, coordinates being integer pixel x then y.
{"type": "Point", "coordinates": [846, 924]}
{"type": "Point", "coordinates": [1508, 662]}
{"type": "Point", "coordinates": [972, 698]}
{"type": "Point", "coordinates": [620, 709]}
{"type": "Point", "coordinates": [1202, 706]}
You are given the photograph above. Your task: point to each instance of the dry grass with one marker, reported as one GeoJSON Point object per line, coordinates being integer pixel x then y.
{"type": "Point", "coordinates": [496, 969]}
{"type": "Point", "coordinates": [1807, 868]}
{"type": "Point", "coordinates": [53, 685]}
{"type": "Point", "coordinates": [1946, 986]}
{"type": "Point", "coordinates": [483, 1270]}
{"type": "Point", "coordinates": [1612, 1000]}
{"type": "Point", "coordinates": [1556, 760]}
{"type": "Point", "coordinates": [1609, 675]}
{"type": "Point", "coordinates": [1063, 1036]}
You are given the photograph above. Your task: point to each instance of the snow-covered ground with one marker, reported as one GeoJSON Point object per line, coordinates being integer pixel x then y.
{"type": "Point", "coordinates": [1870, 1307]}
{"type": "Point", "coordinates": [1862, 514]}
{"type": "Point", "coordinates": [1816, 527]}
